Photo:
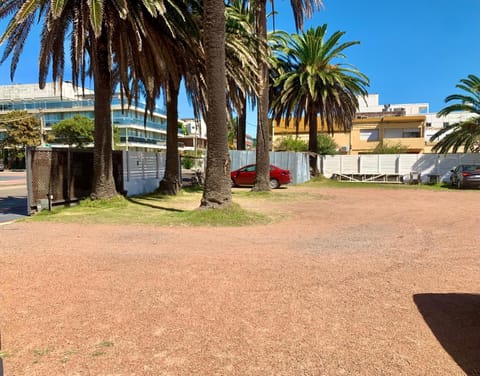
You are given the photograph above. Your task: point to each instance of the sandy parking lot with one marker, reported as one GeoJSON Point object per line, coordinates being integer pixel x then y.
{"type": "Point", "coordinates": [365, 281]}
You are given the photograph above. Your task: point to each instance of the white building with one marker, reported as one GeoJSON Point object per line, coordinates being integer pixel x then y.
{"type": "Point", "coordinates": [195, 138]}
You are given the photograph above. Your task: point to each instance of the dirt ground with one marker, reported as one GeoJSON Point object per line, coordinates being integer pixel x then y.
{"type": "Point", "coordinates": [362, 281]}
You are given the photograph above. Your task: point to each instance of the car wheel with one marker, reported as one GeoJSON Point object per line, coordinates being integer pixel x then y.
{"type": "Point", "coordinates": [274, 184]}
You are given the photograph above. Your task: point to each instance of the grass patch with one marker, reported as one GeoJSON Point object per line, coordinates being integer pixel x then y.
{"type": "Point", "coordinates": [4, 354]}
{"type": "Point", "coordinates": [41, 352]}
{"type": "Point", "coordinates": [325, 182]}
{"type": "Point", "coordinates": [106, 344]}
{"type": "Point", "coordinates": [67, 355]}
{"type": "Point", "coordinates": [152, 209]}
{"type": "Point", "coordinates": [103, 344]}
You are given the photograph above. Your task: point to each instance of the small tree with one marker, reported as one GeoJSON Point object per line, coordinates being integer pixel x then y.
{"type": "Point", "coordinates": [23, 129]}
{"type": "Point", "coordinates": [292, 144]}
{"type": "Point", "coordinates": [76, 131]}
{"type": "Point", "coordinates": [385, 148]}
{"type": "Point", "coordinates": [326, 145]}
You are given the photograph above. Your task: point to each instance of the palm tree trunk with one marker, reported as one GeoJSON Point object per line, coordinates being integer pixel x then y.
{"type": "Point", "coordinates": [170, 183]}
{"type": "Point", "coordinates": [217, 192]}
{"type": "Point", "coordinates": [313, 142]}
{"type": "Point", "coordinates": [242, 125]}
{"type": "Point", "coordinates": [103, 186]}
{"type": "Point", "coordinates": [263, 135]}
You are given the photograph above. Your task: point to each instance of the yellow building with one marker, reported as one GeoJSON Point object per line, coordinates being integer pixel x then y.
{"type": "Point", "coordinates": [366, 133]}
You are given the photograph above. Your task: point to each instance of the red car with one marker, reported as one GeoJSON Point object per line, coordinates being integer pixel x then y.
{"type": "Point", "coordinates": [246, 176]}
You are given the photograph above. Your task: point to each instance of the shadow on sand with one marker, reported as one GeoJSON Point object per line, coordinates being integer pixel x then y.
{"type": "Point", "coordinates": [454, 319]}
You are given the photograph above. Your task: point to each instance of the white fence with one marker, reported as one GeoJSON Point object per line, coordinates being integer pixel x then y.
{"type": "Point", "coordinates": [142, 171]}
{"type": "Point", "coordinates": [395, 164]}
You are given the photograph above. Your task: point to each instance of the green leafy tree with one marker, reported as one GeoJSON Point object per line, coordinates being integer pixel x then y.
{"type": "Point", "coordinates": [292, 144]}
{"type": "Point", "coordinates": [76, 131]}
{"type": "Point", "coordinates": [23, 129]}
{"type": "Point", "coordinates": [326, 145]}
{"type": "Point", "coordinates": [312, 83]}
{"type": "Point", "coordinates": [388, 148]}
{"type": "Point", "coordinates": [465, 134]}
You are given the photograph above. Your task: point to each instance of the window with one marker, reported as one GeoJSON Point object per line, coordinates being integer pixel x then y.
{"type": "Point", "coordinates": [428, 124]}
{"type": "Point", "coordinates": [445, 124]}
{"type": "Point", "coordinates": [369, 134]}
{"type": "Point", "coordinates": [402, 133]}
{"type": "Point", "coordinates": [411, 133]}
{"type": "Point", "coordinates": [393, 133]}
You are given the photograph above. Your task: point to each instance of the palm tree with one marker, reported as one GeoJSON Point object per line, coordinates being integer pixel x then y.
{"type": "Point", "coordinates": [301, 9]}
{"type": "Point", "coordinates": [465, 133]}
{"type": "Point", "coordinates": [217, 192]}
{"type": "Point", "coordinates": [111, 40]}
{"type": "Point", "coordinates": [188, 50]}
{"type": "Point", "coordinates": [311, 83]}
{"type": "Point", "coordinates": [242, 69]}
{"type": "Point", "coordinates": [190, 61]}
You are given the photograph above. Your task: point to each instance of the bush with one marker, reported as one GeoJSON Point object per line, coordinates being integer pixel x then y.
{"type": "Point", "coordinates": [385, 148]}
{"type": "Point", "coordinates": [326, 145]}
{"type": "Point", "coordinates": [187, 162]}
{"type": "Point", "coordinates": [292, 144]}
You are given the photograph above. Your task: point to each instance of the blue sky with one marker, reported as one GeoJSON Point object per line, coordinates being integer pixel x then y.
{"type": "Point", "coordinates": [412, 50]}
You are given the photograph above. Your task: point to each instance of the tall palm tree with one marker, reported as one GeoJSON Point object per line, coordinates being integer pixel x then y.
{"type": "Point", "coordinates": [110, 40]}
{"type": "Point", "coordinates": [301, 9]}
{"type": "Point", "coordinates": [188, 50]}
{"type": "Point", "coordinates": [313, 84]}
{"type": "Point", "coordinates": [465, 133]}
{"type": "Point", "coordinates": [241, 70]}
{"type": "Point", "coordinates": [242, 63]}
{"type": "Point", "coordinates": [217, 192]}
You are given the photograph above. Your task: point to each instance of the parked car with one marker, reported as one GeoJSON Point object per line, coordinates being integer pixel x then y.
{"type": "Point", "coordinates": [465, 175]}
{"type": "Point", "coordinates": [246, 176]}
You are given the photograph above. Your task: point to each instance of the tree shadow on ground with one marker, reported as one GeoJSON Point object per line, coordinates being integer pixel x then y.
{"type": "Point", "coordinates": [454, 319]}
{"type": "Point", "coordinates": [153, 206]}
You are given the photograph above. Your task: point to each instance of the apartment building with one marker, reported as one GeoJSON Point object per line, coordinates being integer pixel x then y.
{"type": "Point", "coordinates": [410, 125]}
{"type": "Point", "coordinates": [52, 105]}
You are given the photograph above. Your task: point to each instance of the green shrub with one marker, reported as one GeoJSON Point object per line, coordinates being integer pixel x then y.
{"type": "Point", "coordinates": [326, 145]}
{"type": "Point", "coordinates": [385, 148]}
{"type": "Point", "coordinates": [292, 144]}
{"type": "Point", "coordinates": [187, 162]}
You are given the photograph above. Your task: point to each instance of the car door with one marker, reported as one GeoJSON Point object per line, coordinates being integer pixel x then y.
{"type": "Point", "coordinates": [247, 175]}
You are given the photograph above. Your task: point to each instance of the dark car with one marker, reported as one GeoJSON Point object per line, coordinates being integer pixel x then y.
{"type": "Point", "coordinates": [246, 176]}
{"type": "Point", "coordinates": [465, 175]}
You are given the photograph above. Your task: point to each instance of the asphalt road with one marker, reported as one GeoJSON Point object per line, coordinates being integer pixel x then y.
{"type": "Point", "coordinates": [13, 196]}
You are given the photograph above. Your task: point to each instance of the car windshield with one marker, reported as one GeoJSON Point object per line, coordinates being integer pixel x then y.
{"type": "Point", "coordinates": [471, 167]}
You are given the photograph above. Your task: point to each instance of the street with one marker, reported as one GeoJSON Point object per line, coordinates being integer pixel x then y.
{"type": "Point", "coordinates": [13, 196]}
